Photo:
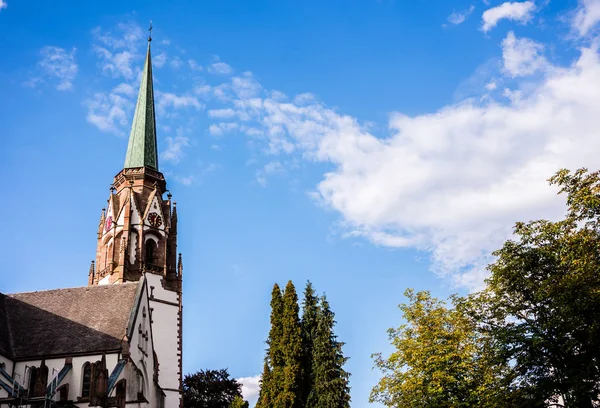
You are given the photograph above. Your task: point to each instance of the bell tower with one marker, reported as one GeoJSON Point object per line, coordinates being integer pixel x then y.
{"type": "Point", "coordinates": [138, 229]}
{"type": "Point", "coordinates": [137, 237]}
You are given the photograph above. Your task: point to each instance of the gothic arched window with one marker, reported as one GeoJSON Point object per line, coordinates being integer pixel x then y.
{"type": "Point", "coordinates": [86, 374]}
{"type": "Point", "coordinates": [150, 249]}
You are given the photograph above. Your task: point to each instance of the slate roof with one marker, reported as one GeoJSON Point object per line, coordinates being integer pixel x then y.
{"type": "Point", "coordinates": [65, 321]}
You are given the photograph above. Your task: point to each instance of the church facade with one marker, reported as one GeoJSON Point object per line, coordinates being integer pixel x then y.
{"type": "Point", "coordinates": [118, 341]}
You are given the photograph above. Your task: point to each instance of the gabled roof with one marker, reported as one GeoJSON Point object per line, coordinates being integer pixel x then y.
{"type": "Point", "coordinates": [65, 321]}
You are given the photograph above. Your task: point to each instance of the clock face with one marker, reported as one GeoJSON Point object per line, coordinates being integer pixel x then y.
{"type": "Point", "coordinates": [154, 219]}
{"type": "Point", "coordinates": [108, 224]}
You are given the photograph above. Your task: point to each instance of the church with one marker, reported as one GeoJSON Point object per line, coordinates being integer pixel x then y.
{"type": "Point", "coordinates": [118, 341]}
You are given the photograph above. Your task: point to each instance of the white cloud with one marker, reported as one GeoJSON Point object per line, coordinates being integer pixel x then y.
{"type": "Point", "coordinates": [194, 66]}
{"type": "Point", "coordinates": [185, 180]}
{"type": "Point", "coordinates": [220, 129]}
{"type": "Point", "coordinates": [459, 17]}
{"type": "Point", "coordinates": [167, 99]}
{"type": "Point", "coordinates": [516, 11]}
{"type": "Point", "coordinates": [175, 146]}
{"type": "Point", "coordinates": [273, 167]}
{"type": "Point", "coordinates": [118, 52]}
{"type": "Point", "coordinates": [452, 182]}
{"type": "Point", "coordinates": [490, 86]}
{"type": "Point", "coordinates": [3, 4]}
{"type": "Point", "coordinates": [109, 112]}
{"type": "Point", "coordinates": [176, 62]}
{"type": "Point", "coordinates": [522, 56]}
{"type": "Point", "coordinates": [59, 64]}
{"type": "Point", "coordinates": [219, 67]}
{"type": "Point", "coordinates": [246, 86]}
{"type": "Point", "coordinates": [587, 15]}
{"type": "Point", "coordinates": [124, 89]}
{"type": "Point", "coordinates": [250, 388]}
{"type": "Point", "coordinates": [222, 113]}
{"type": "Point", "coordinates": [159, 60]}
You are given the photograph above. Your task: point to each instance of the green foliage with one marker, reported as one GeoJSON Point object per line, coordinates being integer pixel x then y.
{"type": "Point", "coordinates": [273, 372]}
{"type": "Point", "coordinates": [531, 338]}
{"type": "Point", "coordinates": [291, 393]}
{"type": "Point", "coordinates": [239, 402]}
{"type": "Point", "coordinates": [543, 299]}
{"type": "Point", "coordinates": [310, 311]}
{"type": "Point", "coordinates": [330, 388]}
{"type": "Point", "coordinates": [210, 389]}
{"type": "Point", "coordinates": [440, 360]}
{"type": "Point", "coordinates": [304, 360]}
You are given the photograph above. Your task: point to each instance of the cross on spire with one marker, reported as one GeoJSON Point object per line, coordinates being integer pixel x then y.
{"type": "Point", "coordinates": [150, 32]}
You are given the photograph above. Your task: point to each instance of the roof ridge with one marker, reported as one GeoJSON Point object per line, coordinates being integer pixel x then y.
{"type": "Point", "coordinates": [71, 288]}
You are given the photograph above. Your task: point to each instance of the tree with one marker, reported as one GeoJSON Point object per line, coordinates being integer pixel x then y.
{"type": "Point", "coordinates": [543, 298]}
{"type": "Point", "coordinates": [330, 388]}
{"type": "Point", "coordinates": [310, 311]}
{"type": "Point", "coordinates": [210, 389]}
{"type": "Point", "coordinates": [271, 382]}
{"type": "Point", "coordinates": [239, 402]}
{"type": "Point", "coordinates": [440, 359]}
{"type": "Point", "coordinates": [291, 345]}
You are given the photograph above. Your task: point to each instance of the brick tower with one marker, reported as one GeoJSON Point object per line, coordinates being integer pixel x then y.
{"type": "Point", "coordinates": [137, 236]}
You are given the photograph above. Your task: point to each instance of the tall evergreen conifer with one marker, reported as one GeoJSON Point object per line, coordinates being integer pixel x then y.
{"type": "Point", "coordinates": [273, 373]}
{"type": "Point", "coordinates": [264, 396]}
{"type": "Point", "coordinates": [310, 311]}
{"type": "Point", "coordinates": [291, 395]}
{"type": "Point", "coordinates": [331, 382]}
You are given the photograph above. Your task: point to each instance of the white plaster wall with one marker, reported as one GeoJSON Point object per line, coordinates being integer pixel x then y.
{"type": "Point", "coordinates": [165, 337]}
{"type": "Point", "coordinates": [143, 361]}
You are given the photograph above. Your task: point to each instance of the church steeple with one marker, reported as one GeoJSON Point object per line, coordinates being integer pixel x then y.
{"type": "Point", "coordinates": [138, 230]}
{"type": "Point", "coordinates": [142, 150]}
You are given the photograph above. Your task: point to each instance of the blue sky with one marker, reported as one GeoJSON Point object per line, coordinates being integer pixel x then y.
{"type": "Point", "coordinates": [369, 146]}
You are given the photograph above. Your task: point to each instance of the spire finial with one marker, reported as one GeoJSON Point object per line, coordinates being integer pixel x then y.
{"type": "Point", "coordinates": [150, 32]}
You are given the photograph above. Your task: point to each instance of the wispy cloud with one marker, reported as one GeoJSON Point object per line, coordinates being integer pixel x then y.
{"type": "Point", "coordinates": [168, 99]}
{"type": "Point", "coordinates": [587, 16]}
{"type": "Point", "coordinates": [109, 111]}
{"type": "Point", "coordinates": [219, 67]}
{"type": "Point", "coordinates": [516, 11]}
{"type": "Point", "coordinates": [459, 17]}
{"type": "Point", "coordinates": [118, 52]}
{"type": "Point", "coordinates": [3, 5]}
{"type": "Point", "coordinates": [159, 60]}
{"type": "Point", "coordinates": [219, 129]}
{"type": "Point", "coordinates": [56, 65]}
{"type": "Point", "coordinates": [273, 167]}
{"type": "Point", "coordinates": [175, 147]}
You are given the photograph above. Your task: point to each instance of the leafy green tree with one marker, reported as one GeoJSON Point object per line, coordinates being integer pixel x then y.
{"type": "Point", "coordinates": [330, 388]}
{"type": "Point", "coordinates": [291, 345]}
{"type": "Point", "coordinates": [310, 311]}
{"type": "Point", "coordinates": [210, 389]}
{"type": "Point", "coordinates": [440, 359]}
{"type": "Point", "coordinates": [543, 299]}
{"type": "Point", "coordinates": [272, 377]}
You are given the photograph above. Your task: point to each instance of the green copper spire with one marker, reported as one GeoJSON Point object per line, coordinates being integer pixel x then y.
{"type": "Point", "coordinates": [142, 151]}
